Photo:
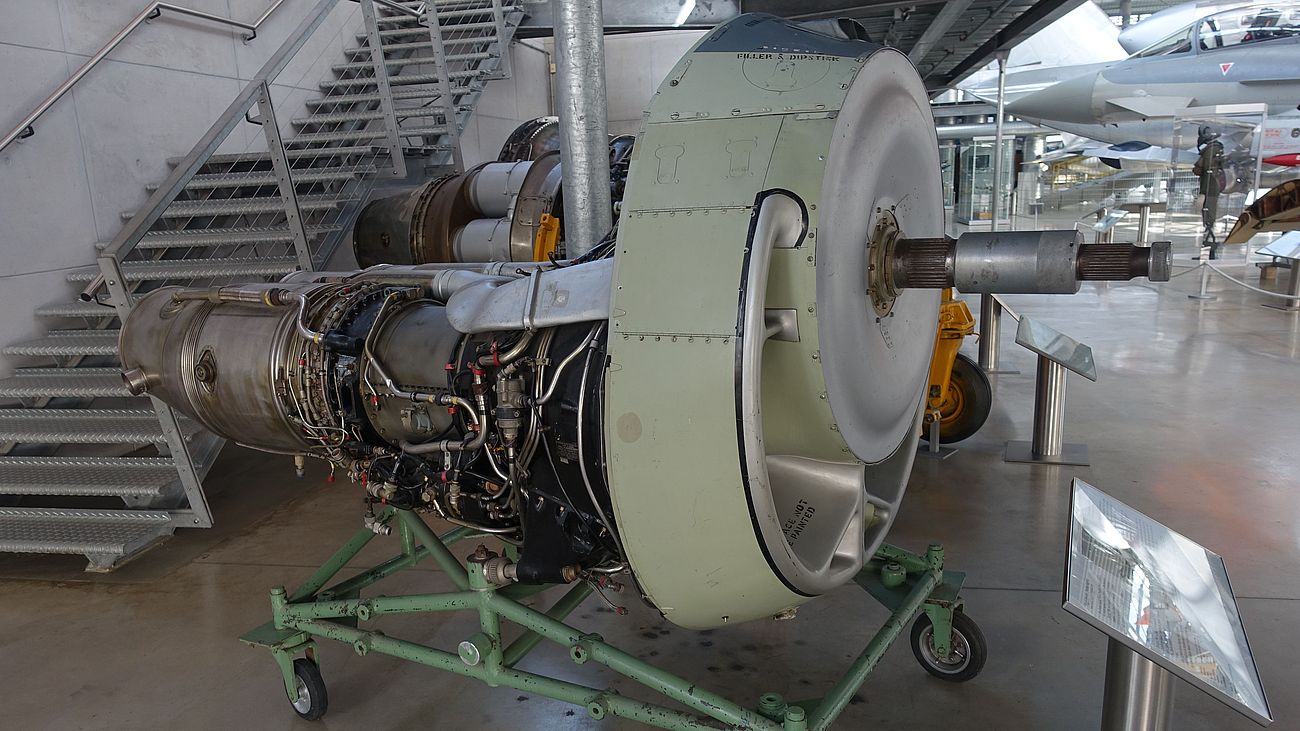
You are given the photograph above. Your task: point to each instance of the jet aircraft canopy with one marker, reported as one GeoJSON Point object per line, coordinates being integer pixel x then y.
{"type": "Point", "coordinates": [1228, 28]}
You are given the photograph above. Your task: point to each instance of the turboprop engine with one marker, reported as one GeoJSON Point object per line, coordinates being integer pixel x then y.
{"type": "Point", "coordinates": [722, 399]}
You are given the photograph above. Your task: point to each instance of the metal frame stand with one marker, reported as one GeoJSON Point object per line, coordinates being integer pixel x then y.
{"type": "Point", "coordinates": [1047, 446]}
{"type": "Point", "coordinates": [1292, 288]}
{"type": "Point", "coordinates": [932, 448]}
{"type": "Point", "coordinates": [1139, 693]}
{"type": "Point", "coordinates": [902, 581]}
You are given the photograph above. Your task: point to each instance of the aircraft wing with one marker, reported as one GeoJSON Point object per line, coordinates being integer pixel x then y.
{"type": "Point", "coordinates": [1151, 106]}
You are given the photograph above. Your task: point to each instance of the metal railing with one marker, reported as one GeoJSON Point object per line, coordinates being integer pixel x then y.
{"type": "Point", "coordinates": [26, 128]}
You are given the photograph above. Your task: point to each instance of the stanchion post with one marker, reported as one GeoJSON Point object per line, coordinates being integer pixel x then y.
{"type": "Point", "coordinates": [1057, 353]}
{"type": "Point", "coordinates": [1139, 693]}
{"type": "Point", "coordinates": [990, 327]}
{"type": "Point", "coordinates": [1203, 293]}
{"type": "Point", "coordinates": [1049, 409]}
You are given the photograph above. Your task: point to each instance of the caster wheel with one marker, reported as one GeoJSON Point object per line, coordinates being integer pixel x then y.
{"type": "Point", "coordinates": [966, 653]}
{"type": "Point", "coordinates": [312, 700]}
{"type": "Point", "coordinates": [967, 404]}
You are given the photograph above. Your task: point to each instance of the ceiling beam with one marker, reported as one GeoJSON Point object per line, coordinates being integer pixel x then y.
{"type": "Point", "coordinates": [934, 32]}
{"type": "Point", "coordinates": [1031, 21]}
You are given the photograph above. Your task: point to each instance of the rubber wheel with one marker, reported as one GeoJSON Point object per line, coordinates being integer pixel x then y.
{"type": "Point", "coordinates": [312, 700]}
{"type": "Point", "coordinates": [966, 655]}
{"type": "Point", "coordinates": [967, 404]}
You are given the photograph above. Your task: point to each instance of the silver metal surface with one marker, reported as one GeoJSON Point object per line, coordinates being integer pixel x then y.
{"type": "Point", "coordinates": [1162, 596]}
{"type": "Point", "coordinates": [1292, 289]}
{"type": "Point", "coordinates": [153, 10]}
{"type": "Point", "coordinates": [76, 308]}
{"type": "Point", "coordinates": [67, 343]}
{"type": "Point", "coordinates": [1057, 347]}
{"type": "Point", "coordinates": [138, 271]}
{"type": "Point", "coordinates": [878, 414]}
{"type": "Point", "coordinates": [243, 206]}
{"type": "Point", "coordinates": [380, 69]}
{"type": "Point", "coordinates": [577, 293]}
{"type": "Point", "coordinates": [990, 332]}
{"type": "Point", "coordinates": [1020, 451]}
{"type": "Point", "coordinates": [229, 236]}
{"type": "Point", "coordinates": [1139, 694]}
{"type": "Point", "coordinates": [283, 177]}
{"type": "Point", "coordinates": [140, 477]}
{"type": "Point", "coordinates": [1049, 408]}
{"type": "Point", "coordinates": [999, 121]}
{"type": "Point", "coordinates": [445, 75]}
{"type": "Point", "coordinates": [580, 81]}
{"type": "Point", "coordinates": [63, 383]}
{"type": "Point", "coordinates": [81, 426]}
{"type": "Point", "coordinates": [103, 536]}
{"type": "Point", "coordinates": [1030, 262]}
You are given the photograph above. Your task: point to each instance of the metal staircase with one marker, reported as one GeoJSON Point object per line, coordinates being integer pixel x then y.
{"type": "Point", "coordinates": [85, 468]}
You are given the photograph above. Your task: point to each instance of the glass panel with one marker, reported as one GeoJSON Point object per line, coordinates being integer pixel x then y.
{"type": "Point", "coordinates": [1056, 346]}
{"type": "Point", "coordinates": [1161, 594]}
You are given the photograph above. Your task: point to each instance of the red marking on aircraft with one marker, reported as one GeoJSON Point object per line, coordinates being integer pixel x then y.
{"type": "Point", "coordinates": [1225, 67]}
{"type": "Point", "coordinates": [1289, 159]}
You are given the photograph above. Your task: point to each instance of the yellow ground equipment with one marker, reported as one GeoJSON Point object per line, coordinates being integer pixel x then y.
{"type": "Point", "coordinates": [959, 396]}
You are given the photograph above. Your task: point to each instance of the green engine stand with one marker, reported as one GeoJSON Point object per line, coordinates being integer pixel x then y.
{"type": "Point", "coordinates": [945, 641]}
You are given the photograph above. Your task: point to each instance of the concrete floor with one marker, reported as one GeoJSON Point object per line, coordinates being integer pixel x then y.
{"type": "Point", "coordinates": [1192, 420]}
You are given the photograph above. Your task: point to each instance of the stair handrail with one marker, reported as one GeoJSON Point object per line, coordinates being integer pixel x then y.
{"type": "Point", "coordinates": [154, 10]}
{"type": "Point", "coordinates": [135, 229]}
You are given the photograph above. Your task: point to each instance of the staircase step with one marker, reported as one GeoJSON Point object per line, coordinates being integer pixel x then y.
{"type": "Point", "coordinates": [139, 271]}
{"type": "Point", "coordinates": [75, 308]}
{"type": "Point", "coordinates": [267, 177]}
{"type": "Point", "coordinates": [400, 79]}
{"type": "Point", "coordinates": [340, 117]}
{"type": "Point", "coordinates": [362, 134]}
{"type": "Point", "coordinates": [271, 203]}
{"type": "Point", "coordinates": [82, 426]}
{"type": "Point", "coordinates": [104, 537]}
{"type": "Point", "coordinates": [420, 29]}
{"type": "Point", "coordinates": [227, 160]}
{"type": "Point", "coordinates": [234, 236]}
{"type": "Point", "coordinates": [457, 91]}
{"type": "Point", "coordinates": [67, 343]}
{"type": "Point", "coordinates": [64, 383]}
{"type": "Point", "coordinates": [442, 15]}
{"type": "Point", "coordinates": [86, 476]}
{"type": "Point", "coordinates": [412, 60]}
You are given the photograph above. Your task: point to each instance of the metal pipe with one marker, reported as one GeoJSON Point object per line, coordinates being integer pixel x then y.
{"type": "Point", "coordinates": [979, 129]}
{"type": "Point", "coordinates": [1139, 694]}
{"type": "Point", "coordinates": [153, 10]}
{"type": "Point", "coordinates": [990, 309]}
{"type": "Point", "coordinates": [1144, 220]}
{"type": "Point", "coordinates": [580, 73]}
{"type": "Point", "coordinates": [555, 381]}
{"type": "Point", "coordinates": [943, 20]}
{"type": "Point", "coordinates": [1049, 409]}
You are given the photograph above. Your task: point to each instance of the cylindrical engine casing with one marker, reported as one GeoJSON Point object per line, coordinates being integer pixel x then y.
{"type": "Point", "coordinates": [413, 344]}
{"type": "Point", "coordinates": [1018, 261]}
{"type": "Point", "coordinates": [244, 370]}
{"type": "Point", "coordinates": [483, 239]}
{"type": "Point", "coordinates": [495, 185]}
{"type": "Point", "coordinates": [217, 363]}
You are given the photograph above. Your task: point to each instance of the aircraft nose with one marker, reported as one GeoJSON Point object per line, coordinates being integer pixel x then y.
{"type": "Point", "coordinates": [1064, 101]}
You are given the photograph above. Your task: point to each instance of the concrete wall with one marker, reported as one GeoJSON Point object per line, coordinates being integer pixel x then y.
{"type": "Point", "coordinates": [153, 98]}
